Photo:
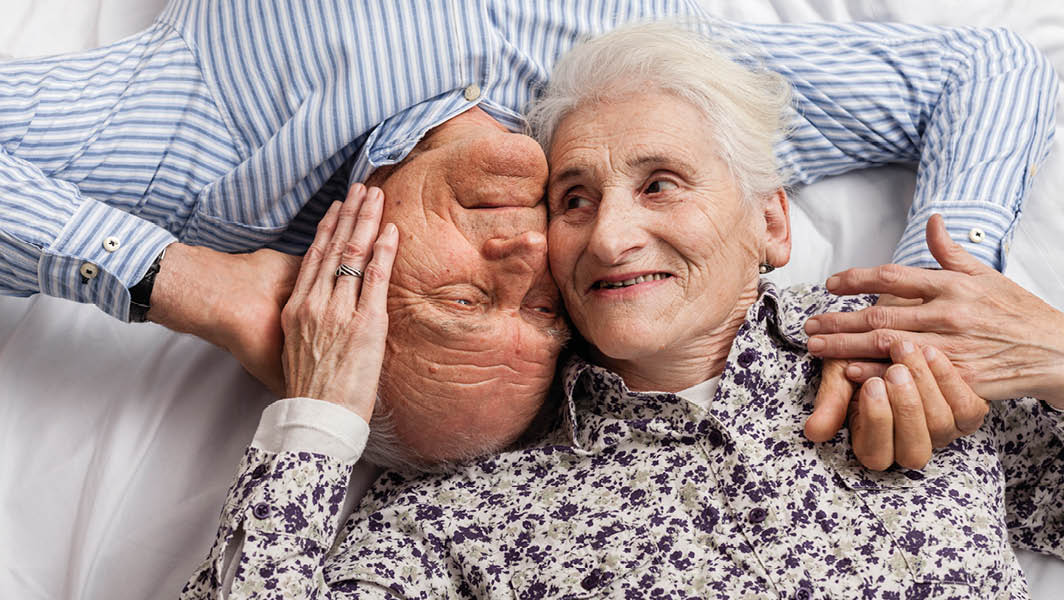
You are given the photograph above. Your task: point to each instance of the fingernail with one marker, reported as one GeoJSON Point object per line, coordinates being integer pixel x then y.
{"type": "Point", "coordinates": [833, 282]}
{"type": "Point", "coordinates": [391, 230]}
{"type": "Point", "coordinates": [898, 374]}
{"type": "Point", "coordinates": [812, 326]}
{"type": "Point", "coordinates": [853, 372]}
{"type": "Point", "coordinates": [930, 353]}
{"type": "Point", "coordinates": [875, 388]}
{"type": "Point", "coordinates": [816, 344]}
{"type": "Point", "coordinates": [357, 188]}
{"type": "Point", "coordinates": [907, 347]}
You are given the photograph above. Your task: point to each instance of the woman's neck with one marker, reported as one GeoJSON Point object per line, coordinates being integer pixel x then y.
{"type": "Point", "coordinates": [686, 365]}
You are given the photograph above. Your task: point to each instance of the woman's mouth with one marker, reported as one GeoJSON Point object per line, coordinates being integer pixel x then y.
{"type": "Point", "coordinates": [615, 283]}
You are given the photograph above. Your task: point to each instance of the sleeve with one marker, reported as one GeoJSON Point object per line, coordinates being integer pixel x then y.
{"type": "Point", "coordinates": [286, 507]}
{"type": "Point", "coordinates": [1030, 440]}
{"type": "Point", "coordinates": [56, 242]}
{"type": "Point", "coordinates": [101, 156]}
{"type": "Point", "coordinates": [973, 108]}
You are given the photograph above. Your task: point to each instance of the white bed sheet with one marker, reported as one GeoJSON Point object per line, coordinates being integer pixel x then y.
{"type": "Point", "coordinates": [117, 442]}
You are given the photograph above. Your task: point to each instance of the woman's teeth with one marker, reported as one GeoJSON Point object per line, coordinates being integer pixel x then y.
{"type": "Point", "coordinates": [628, 282]}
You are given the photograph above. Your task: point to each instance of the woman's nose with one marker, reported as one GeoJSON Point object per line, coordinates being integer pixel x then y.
{"type": "Point", "coordinates": [617, 230]}
{"type": "Point", "coordinates": [517, 262]}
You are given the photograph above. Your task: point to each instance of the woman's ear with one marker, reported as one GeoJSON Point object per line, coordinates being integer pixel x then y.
{"type": "Point", "coordinates": [777, 229]}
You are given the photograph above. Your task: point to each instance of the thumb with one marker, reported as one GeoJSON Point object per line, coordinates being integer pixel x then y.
{"type": "Point", "coordinates": [832, 402]}
{"type": "Point", "coordinates": [951, 255]}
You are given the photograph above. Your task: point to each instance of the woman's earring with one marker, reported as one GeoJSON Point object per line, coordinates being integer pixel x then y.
{"type": "Point", "coordinates": [766, 268]}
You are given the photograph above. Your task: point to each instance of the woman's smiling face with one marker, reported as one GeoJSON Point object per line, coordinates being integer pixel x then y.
{"type": "Point", "coordinates": [650, 241]}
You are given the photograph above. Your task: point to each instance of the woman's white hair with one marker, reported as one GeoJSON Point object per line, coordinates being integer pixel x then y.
{"type": "Point", "coordinates": [745, 106]}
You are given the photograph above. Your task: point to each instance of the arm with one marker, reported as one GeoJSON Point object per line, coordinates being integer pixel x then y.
{"type": "Point", "coordinates": [974, 108]}
{"type": "Point", "coordinates": [286, 507]}
{"type": "Point", "coordinates": [1030, 444]}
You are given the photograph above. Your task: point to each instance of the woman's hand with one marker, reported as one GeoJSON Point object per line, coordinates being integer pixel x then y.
{"type": "Point", "coordinates": [335, 326]}
{"type": "Point", "coordinates": [920, 403]}
{"type": "Point", "coordinates": [1005, 341]}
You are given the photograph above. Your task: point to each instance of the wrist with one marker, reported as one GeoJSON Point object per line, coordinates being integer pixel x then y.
{"type": "Point", "coordinates": [185, 295]}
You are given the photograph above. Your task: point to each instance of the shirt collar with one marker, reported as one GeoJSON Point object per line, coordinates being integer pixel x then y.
{"type": "Point", "coordinates": [595, 397]}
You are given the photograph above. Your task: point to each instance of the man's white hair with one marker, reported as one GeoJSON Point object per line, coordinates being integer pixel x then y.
{"type": "Point", "coordinates": [745, 105]}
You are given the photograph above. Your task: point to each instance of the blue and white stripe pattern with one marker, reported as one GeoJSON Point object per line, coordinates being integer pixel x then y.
{"type": "Point", "coordinates": [232, 124]}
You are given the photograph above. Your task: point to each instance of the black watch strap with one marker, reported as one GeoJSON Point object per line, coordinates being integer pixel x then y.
{"type": "Point", "coordinates": [140, 294]}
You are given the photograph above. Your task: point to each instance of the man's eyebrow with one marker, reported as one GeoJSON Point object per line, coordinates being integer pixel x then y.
{"type": "Point", "coordinates": [450, 325]}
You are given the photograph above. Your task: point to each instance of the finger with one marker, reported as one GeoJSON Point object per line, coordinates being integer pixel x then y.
{"type": "Point", "coordinates": [872, 427]}
{"type": "Point", "coordinates": [912, 443]}
{"type": "Point", "coordinates": [937, 412]}
{"type": "Point", "coordinates": [897, 280]}
{"type": "Point", "coordinates": [862, 371]}
{"type": "Point", "coordinates": [868, 345]}
{"type": "Point", "coordinates": [968, 408]}
{"type": "Point", "coordinates": [923, 317]}
{"type": "Point", "coordinates": [374, 298]}
{"type": "Point", "coordinates": [832, 400]}
{"type": "Point", "coordinates": [345, 223]}
{"type": "Point", "coordinates": [308, 270]}
{"type": "Point", "coordinates": [951, 255]}
{"type": "Point", "coordinates": [358, 248]}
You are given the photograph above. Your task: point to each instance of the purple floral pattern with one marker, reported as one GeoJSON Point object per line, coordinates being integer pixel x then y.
{"type": "Point", "coordinates": [644, 495]}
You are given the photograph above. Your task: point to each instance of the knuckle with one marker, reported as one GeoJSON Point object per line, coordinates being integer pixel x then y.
{"type": "Point", "coordinates": [890, 273]}
{"type": "Point", "coordinates": [352, 251]}
{"type": "Point", "coordinates": [882, 340]}
{"type": "Point", "coordinates": [374, 275]}
{"type": "Point", "coordinates": [336, 247]}
{"type": "Point", "coordinates": [877, 317]}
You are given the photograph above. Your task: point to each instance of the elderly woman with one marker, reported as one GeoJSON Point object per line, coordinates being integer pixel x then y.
{"type": "Point", "coordinates": [678, 467]}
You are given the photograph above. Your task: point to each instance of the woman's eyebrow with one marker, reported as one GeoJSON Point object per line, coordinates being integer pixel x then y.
{"type": "Point", "coordinates": [673, 161]}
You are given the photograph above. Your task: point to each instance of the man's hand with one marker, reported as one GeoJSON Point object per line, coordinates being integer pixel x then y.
{"type": "Point", "coordinates": [231, 300]}
{"type": "Point", "coordinates": [1005, 342]}
{"type": "Point", "coordinates": [335, 326]}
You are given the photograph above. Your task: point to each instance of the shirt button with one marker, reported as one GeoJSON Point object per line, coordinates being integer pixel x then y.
{"type": "Point", "coordinates": [803, 593]}
{"type": "Point", "coordinates": [716, 438]}
{"type": "Point", "coordinates": [259, 472]}
{"type": "Point", "coordinates": [757, 515]}
{"type": "Point", "coordinates": [89, 271]}
{"type": "Point", "coordinates": [976, 235]}
{"type": "Point", "coordinates": [111, 244]}
{"type": "Point", "coordinates": [261, 510]}
{"type": "Point", "coordinates": [472, 92]}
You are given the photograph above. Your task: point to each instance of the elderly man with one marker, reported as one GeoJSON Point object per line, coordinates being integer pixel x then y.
{"type": "Point", "coordinates": [217, 130]}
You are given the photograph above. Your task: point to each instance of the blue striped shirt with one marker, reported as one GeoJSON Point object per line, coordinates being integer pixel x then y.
{"type": "Point", "coordinates": [233, 124]}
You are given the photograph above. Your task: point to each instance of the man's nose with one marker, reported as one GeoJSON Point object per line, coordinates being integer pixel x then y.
{"type": "Point", "coordinates": [618, 229]}
{"type": "Point", "coordinates": [517, 261]}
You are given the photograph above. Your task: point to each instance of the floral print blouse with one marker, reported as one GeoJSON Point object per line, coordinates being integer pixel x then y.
{"type": "Point", "coordinates": [646, 495]}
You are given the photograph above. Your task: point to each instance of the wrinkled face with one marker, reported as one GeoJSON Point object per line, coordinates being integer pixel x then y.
{"type": "Point", "coordinates": [474, 316]}
{"type": "Point", "coordinates": [650, 241]}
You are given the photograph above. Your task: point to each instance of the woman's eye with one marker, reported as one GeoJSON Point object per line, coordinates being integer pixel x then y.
{"type": "Point", "coordinates": [463, 302]}
{"type": "Point", "coordinates": [660, 185]}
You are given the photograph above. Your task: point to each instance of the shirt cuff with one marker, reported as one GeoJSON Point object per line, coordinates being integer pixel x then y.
{"type": "Point", "coordinates": [985, 230]}
{"type": "Point", "coordinates": [99, 255]}
{"type": "Point", "coordinates": [309, 425]}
